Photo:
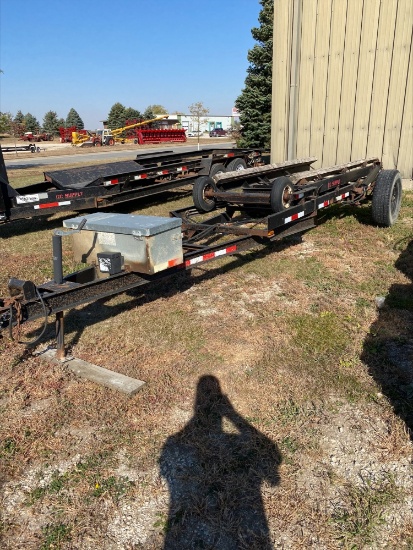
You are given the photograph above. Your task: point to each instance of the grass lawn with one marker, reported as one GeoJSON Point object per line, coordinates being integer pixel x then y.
{"type": "Point", "coordinates": [277, 410]}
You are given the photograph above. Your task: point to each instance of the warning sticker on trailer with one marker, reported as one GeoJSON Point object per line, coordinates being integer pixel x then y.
{"type": "Point", "coordinates": [106, 238]}
{"type": "Point", "coordinates": [24, 199]}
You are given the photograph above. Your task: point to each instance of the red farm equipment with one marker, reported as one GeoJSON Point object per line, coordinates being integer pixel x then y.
{"type": "Point", "coordinates": [159, 136]}
{"type": "Point", "coordinates": [66, 133]}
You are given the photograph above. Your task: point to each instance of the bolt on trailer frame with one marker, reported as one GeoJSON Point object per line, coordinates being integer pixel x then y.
{"type": "Point", "coordinates": [228, 231]}
{"type": "Point", "coordinates": [103, 185]}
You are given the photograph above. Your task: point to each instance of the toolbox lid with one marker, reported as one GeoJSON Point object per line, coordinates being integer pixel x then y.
{"type": "Point", "coordinates": [127, 224]}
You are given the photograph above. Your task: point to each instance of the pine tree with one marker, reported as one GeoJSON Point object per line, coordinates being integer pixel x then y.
{"type": "Point", "coordinates": [116, 117]}
{"type": "Point", "coordinates": [254, 102]}
{"type": "Point", "coordinates": [51, 123]}
{"type": "Point", "coordinates": [73, 119]}
{"type": "Point", "coordinates": [132, 114]}
{"type": "Point", "coordinates": [31, 123]}
{"type": "Point", "coordinates": [19, 118]}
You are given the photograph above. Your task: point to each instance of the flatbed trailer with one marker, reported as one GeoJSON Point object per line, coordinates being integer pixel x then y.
{"type": "Point", "coordinates": [100, 186]}
{"type": "Point", "coordinates": [205, 237]}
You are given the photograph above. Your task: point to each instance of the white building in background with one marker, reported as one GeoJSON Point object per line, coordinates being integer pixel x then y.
{"type": "Point", "coordinates": [208, 123]}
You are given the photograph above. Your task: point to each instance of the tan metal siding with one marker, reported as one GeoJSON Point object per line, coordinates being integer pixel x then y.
{"type": "Point", "coordinates": [351, 95]}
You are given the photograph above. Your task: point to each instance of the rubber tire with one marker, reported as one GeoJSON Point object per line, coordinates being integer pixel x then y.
{"type": "Point", "coordinates": [236, 164]}
{"type": "Point", "coordinates": [51, 138]}
{"type": "Point", "coordinates": [98, 144]}
{"type": "Point", "coordinates": [279, 187]}
{"type": "Point", "coordinates": [202, 203]}
{"type": "Point", "coordinates": [111, 141]}
{"type": "Point", "coordinates": [217, 169]}
{"type": "Point", "coordinates": [387, 198]}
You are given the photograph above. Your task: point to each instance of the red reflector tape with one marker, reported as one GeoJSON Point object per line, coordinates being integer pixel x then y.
{"type": "Point", "coordinates": [141, 177]}
{"type": "Point", "coordinates": [211, 255]}
{"type": "Point", "coordinates": [294, 217]}
{"type": "Point", "coordinates": [50, 205]}
{"type": "Point", "coordinates": [172, 263]}
{"type": "Point", "coordinates": [323, 204]}
{"type": "Point", "coordinates": [162, 172]}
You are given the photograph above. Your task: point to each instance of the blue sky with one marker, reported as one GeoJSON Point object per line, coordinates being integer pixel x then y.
{"type": "Point", "coordinates": [89, 54]}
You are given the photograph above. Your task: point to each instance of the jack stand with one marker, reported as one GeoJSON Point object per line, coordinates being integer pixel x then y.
{"type": "Point", "coordinates": [60, 336]}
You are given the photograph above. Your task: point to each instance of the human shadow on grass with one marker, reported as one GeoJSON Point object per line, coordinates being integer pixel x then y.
{"type": "Point", "coordinates": [215, 475]}
{"type": "Point", "coordinates": [388, 348]}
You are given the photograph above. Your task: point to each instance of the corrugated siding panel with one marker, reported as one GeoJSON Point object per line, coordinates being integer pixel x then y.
{"type": "Point", "coordinates": [334, 81]}
{"type": "Point", "coordinates": [281, 79]}
{"type": "Point", "coordinates": [322, 32]}
{"type": "Point", "coordinates": [354, 96]}
{"type": "Point", "coordinates": [349, 87]}
{"type": "Point", "coordinates": [381, 77]}
{"type": "Point", "coordinates": [306, 83]}
{"type": "Point", "coordinates": [398, 90]}
{"type": "Point", "coordinates": [405, 158]}
{"type": "Point", "coordinates": [370, 23]}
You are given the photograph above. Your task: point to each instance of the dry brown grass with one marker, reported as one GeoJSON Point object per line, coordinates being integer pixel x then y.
{"type": "Point", "coordinates": [302, 354]}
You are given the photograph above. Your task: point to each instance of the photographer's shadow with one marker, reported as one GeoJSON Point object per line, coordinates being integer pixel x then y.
{"type": "Point", "coordinates": [215, 477]}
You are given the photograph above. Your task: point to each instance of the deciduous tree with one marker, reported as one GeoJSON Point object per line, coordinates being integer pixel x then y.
{"type": "Point", "coordinates": [254, 102]}
{"type": "Point", "coordinates": [157, 109]}
{"type": "Point", "coordinates": [198, 112]}
{"type": "Point", "coordinates": [6, 120]}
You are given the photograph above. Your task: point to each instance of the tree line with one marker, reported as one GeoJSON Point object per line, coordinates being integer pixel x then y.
{"type": "Point", "coordinates": [118, 116]}
{"type": "Point", "coordinates": [253, 103]}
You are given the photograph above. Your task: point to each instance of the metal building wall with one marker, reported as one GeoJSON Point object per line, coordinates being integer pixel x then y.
{"type": "Point", "coordinates": [342, 81]}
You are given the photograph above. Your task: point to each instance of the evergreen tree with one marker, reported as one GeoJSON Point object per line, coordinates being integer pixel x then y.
{"type": "Point", "coordinates": [17, 125]}
{"type": "Point", "coordinates": [116, 117]}
{"type": "Point", "coordinates": [73, 119]}
{"type": "Point", "coordinates": [148, 114]}
{"type": "Point", "coordinates": [51, 123]}
{"type": "Point", "coordinates": [19, 118]}
{"type": "Point", "coordinates": [254, 102]}
{"type": "Point", "coordinates": [31, 123]}
{"type": "Point", "coordinates": [132, 114]}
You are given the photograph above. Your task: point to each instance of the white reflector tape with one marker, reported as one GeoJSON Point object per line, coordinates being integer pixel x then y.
{"type": "Point", "coordinates": [343, 196]}
{"type": "Point", "coordinates": [294, 217]}
{"type": "Point", "coordinates": [162, 172]}
{"type": "Point", "coordinates": [211, 255]}
{"type": "Point", "coordinates": [141, 177]}
{"type": "Point", "coordinates": [323, 204]}
{"type": "Point", "coordinates": [298, 196]}
{"type": "Point", "coordinates": [23, 199]}
{"type": "Point", "coordinates": [51, 205]}
{"type": "Point", "coordinates": [182, 168]}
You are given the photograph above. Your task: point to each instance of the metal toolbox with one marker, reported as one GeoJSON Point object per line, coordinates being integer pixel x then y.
{"type": "Point", "coordinates": [147, 244]}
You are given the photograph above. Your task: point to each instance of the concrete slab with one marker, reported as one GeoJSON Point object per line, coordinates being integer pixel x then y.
{"type": "Point", "coordinates": [94, 373]}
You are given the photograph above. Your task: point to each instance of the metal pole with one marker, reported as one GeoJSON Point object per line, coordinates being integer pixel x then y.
{"type": "Point", "coordinates": [60, 336]}
{"type": "Point", "coordinates": [294, 80]}
{"type": "Point", "coordinates": [57, 259]}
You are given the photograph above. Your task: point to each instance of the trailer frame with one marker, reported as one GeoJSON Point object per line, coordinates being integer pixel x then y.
{"type": "Point", "coordinates": [226, 232]}
{"type": "Point", "coordinates": [107, 184]}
